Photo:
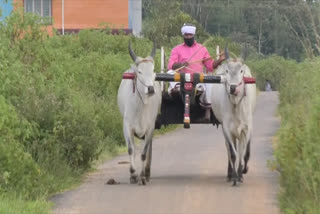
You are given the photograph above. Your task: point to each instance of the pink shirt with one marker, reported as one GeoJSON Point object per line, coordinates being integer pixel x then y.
{"type": "Point", "coordinates": [183, 53]}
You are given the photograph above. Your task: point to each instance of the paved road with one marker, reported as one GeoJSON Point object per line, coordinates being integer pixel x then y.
{"type": "Point", "coordinates": [188, 175]}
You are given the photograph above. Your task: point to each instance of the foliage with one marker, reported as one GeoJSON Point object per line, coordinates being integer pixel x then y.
{"type": "Point", "coordinates": [275, 69]}
{"type": "Point", "coordinates": [298, 149]}
{"type": "Point", "coordinates": [58, 107]}
{"type": "Point", "coordinates": [18, 169]}
{"type": "Point", "coordinates": [164, 23]}
{"type": "Point", "coordinates": [289, 28]}
{"type": "Point", "coordinates": [18, 206]}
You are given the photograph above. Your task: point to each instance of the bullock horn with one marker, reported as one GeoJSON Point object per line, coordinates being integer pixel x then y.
{"type": "Point", "coordinates": [153, 52]}
{"type": "Point", "coordinates": [226, 51]}
{"type": "Point", "coordinates": [133, 56]}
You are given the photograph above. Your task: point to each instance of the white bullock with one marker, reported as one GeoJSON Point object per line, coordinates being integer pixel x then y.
{"type": "Point", "coordinates": [233, 104]}
{"type": "Point", "coordinates": [139, 101]}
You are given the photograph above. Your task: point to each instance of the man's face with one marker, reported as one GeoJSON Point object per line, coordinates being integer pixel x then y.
{"type": "Point", "coordinates": [188, 35]}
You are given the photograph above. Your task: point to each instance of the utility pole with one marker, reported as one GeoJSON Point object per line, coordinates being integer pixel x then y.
{"type": "Point", "coordinates": [135, 17]}
{"type": "Point", "coordinates": [62, 16]}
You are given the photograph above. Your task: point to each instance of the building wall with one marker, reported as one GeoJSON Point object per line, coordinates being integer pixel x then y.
{"type": "Point", "coordinates": [80, 14]}
{"type": "Point", "coordinates": [135, 16]}
{"type": "Point", "coordinates": [17, 3]}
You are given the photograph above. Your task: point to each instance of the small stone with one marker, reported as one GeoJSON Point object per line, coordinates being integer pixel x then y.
{"type": "Point", "coordinates": [111, 181]}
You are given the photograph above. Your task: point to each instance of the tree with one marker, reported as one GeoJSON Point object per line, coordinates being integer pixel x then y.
{"type": "Point", "coordinates": [303, 20]}
{"type": "Point", "coordinates": [201, 10]}
{"type": "Point", "coordinates": [164, 20]}
{"type": "Point", "coordinates": [290, 28]}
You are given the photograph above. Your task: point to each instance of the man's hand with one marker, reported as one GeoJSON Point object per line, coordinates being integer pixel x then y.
{"type": "Point", "coordinates": [222, 56]}
{"type": "Point", "coordinates": [185, 64]}
{"type": "Point", "coordinates": [178, 65]}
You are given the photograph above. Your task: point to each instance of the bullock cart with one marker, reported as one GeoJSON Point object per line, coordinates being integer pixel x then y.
{"type": "Point", "coordinates": [184, 107]}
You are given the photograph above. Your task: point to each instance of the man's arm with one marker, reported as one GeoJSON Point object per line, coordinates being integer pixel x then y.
{"type": "Point", "coordinates": [178, 65]}
{"type": "Point", "coordinates": [174, 60]}
{"type": "Point", "coordinates": [207, 60]}
{"type": "Point", "coordinates": [174, 57]}
{"type": "Point", "coordinates": [216, 63]}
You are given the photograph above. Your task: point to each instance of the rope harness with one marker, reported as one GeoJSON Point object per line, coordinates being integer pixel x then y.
{"type": "Point", "coordinates": [134, 81]}
{"type": "Point", "coordinates": [239, 84]}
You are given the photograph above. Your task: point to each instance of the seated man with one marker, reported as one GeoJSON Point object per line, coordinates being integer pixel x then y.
{"type": "Point", "coordinates": [191, 51]}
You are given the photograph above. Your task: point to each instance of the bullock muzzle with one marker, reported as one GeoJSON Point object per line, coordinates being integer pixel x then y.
{"type": "Point", "coordinates": [150, 90]}
{"type": "Point", "coordinates": [233, 89]}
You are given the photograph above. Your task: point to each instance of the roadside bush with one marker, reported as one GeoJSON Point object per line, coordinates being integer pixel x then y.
{"type": "Point", "coordinates": [298, 148]}
{"type": "Point", "coordinates": [275, 69]}
{"type": "Point", "coordinates": [58, 103]}
{"type": "Point", "coordinates": [18, 171]}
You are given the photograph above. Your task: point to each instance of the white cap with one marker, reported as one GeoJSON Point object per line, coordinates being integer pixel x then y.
{"type": "Point", "coordinates": [187, 28]}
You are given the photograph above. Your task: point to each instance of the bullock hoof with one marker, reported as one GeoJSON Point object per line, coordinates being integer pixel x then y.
{"type": "Point", "coordinates": [133, 179]}
{"type": "Point", "coordinates": [245, 170]}
{"type": "Point", "coordinates": [142, 181]}
{"type": "Point", "coordinates": [234, 183]}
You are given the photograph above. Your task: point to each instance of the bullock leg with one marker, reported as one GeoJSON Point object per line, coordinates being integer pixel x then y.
{"type": "Point", "coordinates": [246, 158]}
{"type": "Point", "coordinates": [241, 150]}
{"type": "Point", "coordinates": [240, 176]}
{"type": "Point", "coordinates": [146, 160]}
{"type": "Point", "coordinates": [228, 147]}
{"type": "Point", "coordinates": [148, 164]}
{"type": "Point", "coordinates": [239, 168]}
{"type": "Point", "coordinates": [230, 159]}
{"type": "Point", "coordinates": [131, 151]}
{"type": "Point", "coordinates": [236, 162]}
{"type": "Point", "coordinates": [244, 152]}
{"type": "Point", "coordinates": [232, 155]}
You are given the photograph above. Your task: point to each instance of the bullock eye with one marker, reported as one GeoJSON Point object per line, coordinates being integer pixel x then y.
{"type": "Point", "coordinates": [227, 71]}
{"type": "Point", "coordinates": [241, 71]}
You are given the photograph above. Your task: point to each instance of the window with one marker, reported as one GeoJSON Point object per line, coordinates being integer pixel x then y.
{"type": "Point", "coordinates": [40, 7]}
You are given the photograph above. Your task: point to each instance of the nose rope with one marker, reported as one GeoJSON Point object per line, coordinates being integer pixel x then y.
{"type": "Point", "coordinates": [137, 78]}
{"type": "Point", "coordinates": [139, 93]}
{"type": "Point", "coordinates": [239, 84]}
{"type": "Point", "coordinates": [140, 96]}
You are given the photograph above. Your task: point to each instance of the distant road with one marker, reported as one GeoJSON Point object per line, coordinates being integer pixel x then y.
{"type": "Point", "coordinates": [188, 174]}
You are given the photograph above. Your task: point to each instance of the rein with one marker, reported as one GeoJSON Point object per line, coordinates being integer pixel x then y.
{"type": "Point", "coordinates": [198, 61]}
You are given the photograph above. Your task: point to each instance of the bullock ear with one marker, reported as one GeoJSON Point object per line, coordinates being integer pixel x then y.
{"type": "Point", "coordinates": [133, 56]}
{"type": "Point", "coordinates": [133, 68]}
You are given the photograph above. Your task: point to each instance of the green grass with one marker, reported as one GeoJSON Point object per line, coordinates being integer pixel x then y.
{"type": "Point", "coordinates": [298, 149]}
{"type": "Point", "coordinates": [20, 206]}
{"type": "Point", "coordinates": [166, 129]}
